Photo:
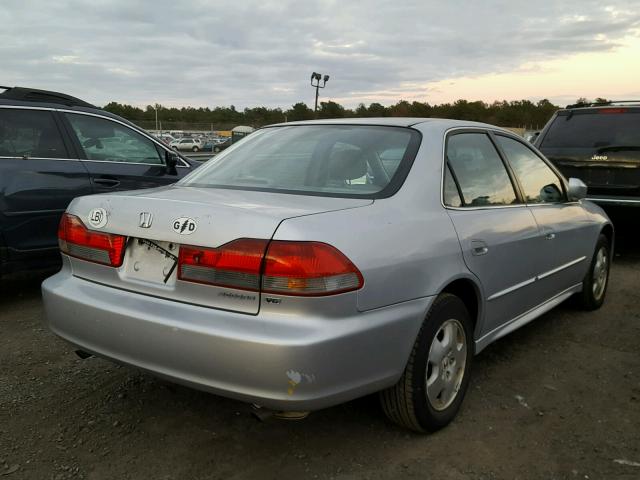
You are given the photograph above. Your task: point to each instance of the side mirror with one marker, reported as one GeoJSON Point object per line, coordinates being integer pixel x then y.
{"type": "Point", "coordinates": [170, 161]}
{"type": "Point", "coordinates": [577, 189]}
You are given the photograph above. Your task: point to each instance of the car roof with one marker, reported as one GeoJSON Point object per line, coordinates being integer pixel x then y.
{"type": "Point", "coordinates": [59, 106]}
{"type": "Point", "coordinates": [595, 108]}
{"type": "Point", "coordinates": [396, 122]}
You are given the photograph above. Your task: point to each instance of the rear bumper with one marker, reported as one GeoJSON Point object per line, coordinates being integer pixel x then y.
{"type": "Point", "coordinates": [279, 362]}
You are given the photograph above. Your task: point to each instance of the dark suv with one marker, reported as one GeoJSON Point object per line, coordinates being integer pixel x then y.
{"type": "Point", "coordinates": [54, 148]}
{"type": "Point", "coordinates": [600, 144]}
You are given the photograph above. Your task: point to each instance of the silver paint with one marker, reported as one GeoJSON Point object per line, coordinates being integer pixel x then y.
{"type": "Point", "coordinates": [521, 260]}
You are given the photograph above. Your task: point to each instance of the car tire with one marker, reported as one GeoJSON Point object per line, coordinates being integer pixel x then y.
{"type": "Point", "coordinates": [216, 149]}
{"type": "Point", "coordinates": [413, 403]}
{"type": "Point", "coordinates": [596, 280]}
{"type": "Point", "coordinates": [195, 149]}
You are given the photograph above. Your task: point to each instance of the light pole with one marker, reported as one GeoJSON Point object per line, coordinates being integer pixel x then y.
{"type": "Point", "coordinates": [156, 107]}
{"type": "Point", "coordinates": [318, 77]}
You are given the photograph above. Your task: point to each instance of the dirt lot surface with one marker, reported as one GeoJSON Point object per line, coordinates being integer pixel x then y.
{"type": "Point", "coordinates": [560, 398]}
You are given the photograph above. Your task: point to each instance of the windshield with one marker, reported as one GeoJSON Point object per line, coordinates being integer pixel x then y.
{"type": "Point", "coordinates": [332, 160]}
{"type": "Point", "coordinates": [599, 130]}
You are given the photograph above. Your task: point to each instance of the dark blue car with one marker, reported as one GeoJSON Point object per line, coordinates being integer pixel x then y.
{"type": "Point", "coordinates": [54, 148]}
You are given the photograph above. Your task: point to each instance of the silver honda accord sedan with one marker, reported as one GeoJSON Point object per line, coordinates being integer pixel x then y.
{"type": "Point", "coordinates": [316, 262]}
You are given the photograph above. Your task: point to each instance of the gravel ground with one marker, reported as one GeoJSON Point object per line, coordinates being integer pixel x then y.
{"type": "Point", "coordinates": [560, 398]}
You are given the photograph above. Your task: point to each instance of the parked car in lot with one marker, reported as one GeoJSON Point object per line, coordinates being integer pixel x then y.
{"type": "Point", "coordinates": [210, 143]}
{"type": "Point", "coordinates": [166, 138]}
{"type": "Point", "coordinates": [221, 144]}
{"type": "Point", "coordinates": [600, 144]}
{"type": "Point", "coordinates": [187, 144]}
{"type": "Point", "coordinates": [53, 148]}
{"type": "Point", "coordinates": [299, 270]}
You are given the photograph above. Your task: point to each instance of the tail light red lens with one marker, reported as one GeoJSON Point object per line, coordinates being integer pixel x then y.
{"type": "Point", "coordinates": [234, 265]}
{"type": "Point", "coordinates": [78, 241]}
{"type": "Point", "coordinates": [288, 268]}
{"type": "Point", "coordinates": [612, 110]}
{"type": "Point", "coordinates": [308, 268]}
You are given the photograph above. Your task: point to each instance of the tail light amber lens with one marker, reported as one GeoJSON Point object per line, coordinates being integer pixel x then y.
{"type": "Point", "coordinates": [308, 269]}
{"type": "Point", "coordinates": [78, 241]}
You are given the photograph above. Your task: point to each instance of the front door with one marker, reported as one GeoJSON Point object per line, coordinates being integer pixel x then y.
{"type": "Point", "coordinates": [564, 237]}
{"type": "Point", "coordinates": [117, 157]}
{"type": "Point", "coordinates": [38, 180]}
{"type": "Point", "coordinates": [497, 232]}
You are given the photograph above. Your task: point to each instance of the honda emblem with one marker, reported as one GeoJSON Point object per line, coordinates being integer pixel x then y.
{"type": "Point", "coordinates": [145, 220]}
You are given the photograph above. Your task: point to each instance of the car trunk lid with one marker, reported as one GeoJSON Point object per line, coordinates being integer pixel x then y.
{"type": "Point", "coordinates": [157, 222]}
{"type": "Point", "coordinates": [608, 172]}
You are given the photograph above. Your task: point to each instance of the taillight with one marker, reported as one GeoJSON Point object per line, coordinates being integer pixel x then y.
{"type": "Point", "coordinates": [287, 268]}
{"type": "Point", "coordinates": [308, 268]}
{"type": "Point", "coordinates": [78, 241]}
{"type": "Point", "coordinates": [234, 265]}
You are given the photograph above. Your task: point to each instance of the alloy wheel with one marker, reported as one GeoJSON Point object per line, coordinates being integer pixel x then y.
{"type": "Point", "coordinates": [600, 273]}
{"type": "Point", "coordinates": [446, 364]}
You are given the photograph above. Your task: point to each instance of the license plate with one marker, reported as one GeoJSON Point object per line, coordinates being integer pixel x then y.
{"type": "Point", "coordinates": [151, 261]}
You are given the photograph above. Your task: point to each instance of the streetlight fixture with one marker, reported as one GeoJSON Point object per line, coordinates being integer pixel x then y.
{"type": "Point", "coordinates": [156, 107]}
{"type": "Point", "coordinates": [318, 77]}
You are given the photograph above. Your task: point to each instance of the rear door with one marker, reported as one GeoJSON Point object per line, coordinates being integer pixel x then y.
{"type": "Point", "coordinates": [601, 146]}
{"type": "Point", "coordinates": [564, 231]}
{"type": "Point", "coordinates": [38, 180]}
{"type": "Point", "coordinates": [117, 157]}
{"type": "Point", "coordinates": [497, 232]}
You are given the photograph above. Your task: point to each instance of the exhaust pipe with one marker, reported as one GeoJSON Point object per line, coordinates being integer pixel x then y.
{"type": "Point", "coordinates": [82, 354]}
{"type": "Point", "coordinates": [264, 414]}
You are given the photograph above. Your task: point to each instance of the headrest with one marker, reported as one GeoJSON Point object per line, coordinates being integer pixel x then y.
{"type": "Point", "coordinates": [347, 165]}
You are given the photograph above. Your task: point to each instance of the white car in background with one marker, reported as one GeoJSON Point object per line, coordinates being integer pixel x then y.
{"type": "Point", "coordinates": [187, 144]}
{"type": "Point", "coordinates": [166, 138]}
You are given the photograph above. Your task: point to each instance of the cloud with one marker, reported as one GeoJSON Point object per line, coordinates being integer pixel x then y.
{"type": "Point", "coordinates": [262, 52]}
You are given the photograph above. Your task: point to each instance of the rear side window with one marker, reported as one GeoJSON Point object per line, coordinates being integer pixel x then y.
{"type": "Point", "coordinates": [108, 141]}
{"type": "Point", "coordinates": [479, 171]}
{"type": "Point", "coordinates": [595, 129]}
{"type": "Point", "coordinates": [539, 183]}
{"type": "Point", "coordinates": [30, 133]}
{"type": "Point", "coordinates": [333, 160]}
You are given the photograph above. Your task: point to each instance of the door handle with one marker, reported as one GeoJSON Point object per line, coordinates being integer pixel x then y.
{"type": "Point", "coordinates": [478, 248]}
{"type": "Point", "coordinates": [550, 236]}
{"type": "Point", "coordinates": [106, 182]}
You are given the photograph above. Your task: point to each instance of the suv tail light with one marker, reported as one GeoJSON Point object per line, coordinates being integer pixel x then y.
{"type": "Point", "coordinates": [234, 265]}
{"type": "Point", "coordinates": [289, 268]}
{"type": "Point", "coordinates": [308, 268]}
{"type": "Point", "coordinates": [78, 241]}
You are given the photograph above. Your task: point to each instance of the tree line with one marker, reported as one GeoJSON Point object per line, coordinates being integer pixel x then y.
{"type": "Point", "coordinates": [518, 113]}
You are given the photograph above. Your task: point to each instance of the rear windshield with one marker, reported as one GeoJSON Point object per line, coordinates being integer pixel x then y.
{"type": "Point", "coordinates": [611, 127]}
{"type": "Point", "coordinates": [331, 160]}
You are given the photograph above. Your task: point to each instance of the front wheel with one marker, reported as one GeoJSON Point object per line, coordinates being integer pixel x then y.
{"type": "Point", "coordinates": [194, 149]}
{"type": "Point", "coordinates": [216, 149]}
{"type": "Point", "coordinates": [594, 285]}
{"type": "Point", "coordinates": [429, 394]}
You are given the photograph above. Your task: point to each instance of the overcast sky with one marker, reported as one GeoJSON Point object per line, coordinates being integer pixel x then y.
{"type": "Point", "coordinates": [252, 53]}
